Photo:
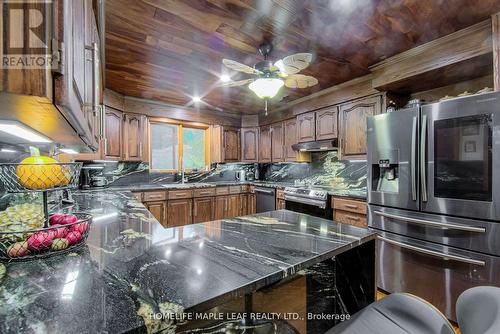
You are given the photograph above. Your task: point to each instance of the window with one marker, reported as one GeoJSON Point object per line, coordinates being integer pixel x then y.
{"type": "Point", "coordinates": [174, 144]}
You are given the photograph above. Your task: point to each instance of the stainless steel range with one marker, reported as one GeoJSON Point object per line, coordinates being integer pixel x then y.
{"type": "Point", "coordinates": [312, 201]}
{"type": "Point", "coordinates": [434, 197]}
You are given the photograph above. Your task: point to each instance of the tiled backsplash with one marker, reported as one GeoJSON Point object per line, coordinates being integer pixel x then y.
{"type": "Point", "coordinates": [325, 170]}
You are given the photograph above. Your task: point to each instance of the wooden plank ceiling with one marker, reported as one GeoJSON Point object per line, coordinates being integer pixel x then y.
{"type": "Point", "coordinates": [170, 50]}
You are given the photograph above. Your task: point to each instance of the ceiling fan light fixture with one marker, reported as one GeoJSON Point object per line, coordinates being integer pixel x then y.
{"type": "Point", "coordinates": [225, 78]}
{"type": "Point", "coordinates": [266, 87]}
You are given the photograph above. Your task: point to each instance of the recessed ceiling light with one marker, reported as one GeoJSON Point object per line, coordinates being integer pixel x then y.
{"type": "Point", "coordinates": [225, 78]}
{"type": "Point", "coordinates": [7, 150]}
{"type": "Point", "coordinates": [196, 99]}
{"type": "Point", "coordinates": [68, 151]}
{"type": "Point", "coordinates": [22, 131]}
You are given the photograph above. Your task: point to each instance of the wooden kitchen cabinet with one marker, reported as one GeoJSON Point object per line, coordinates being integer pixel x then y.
{"type": "Point", "coordinates": [349, 211]}
{"type": "Point", "coordinates": [352, 126]}
{"type": "Point", "coordinates": [280, 199]}
{"type": "Point", "coordinates": [306, 127]}
{"type": "Point", "coordinates": [265, 147]}
{"type": "Point", "coordinates": [179, 212]}
{"type": "Point", "coordinates": [113, 134]}
{"type": "Point", "coordinates": [225, 144]}
{"type": "Point", "coordinates": [157, 209]}
{"type": "Point", "coordinates": [326, 123]}
{"type": "Point", "coordinates": [231, 144]}
{"type": "Point", "coordinates": [251, 204]}
{"type": "Point", "coordinates": [277, 142]}
{"type": "Point", "coordinates": [133, 137]}
{"type": "Point", "coordinates": [233, 206]}
{"type": "Point", "coordinates": [203, 209]}
{"type": "Point", "coordinates": [243, 205]}
{"type": "Point", "coordinates": [290, 138]}
{"type": "Point", "coordinates": [221, 204]}
{"type": "Point", "coordinates": [250, 144]}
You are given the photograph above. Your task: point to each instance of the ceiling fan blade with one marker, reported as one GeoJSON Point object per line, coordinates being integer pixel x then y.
{"type": "Point", "coordinates": [234, 65]}
{"type": "Point", "coordinates": [236, 83]}
{"type": "Point", "coordinates": [300, 81]}
{"type": "Point", "coordinates": [294, 63]}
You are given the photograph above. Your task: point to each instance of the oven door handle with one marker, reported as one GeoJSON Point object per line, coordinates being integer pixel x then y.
{"type": "Point", "coordinates": [441, 255]}
{"type": "Point", "coordinates": [432, 223]}
{"type": "Point", "coordinates": [319, 204]}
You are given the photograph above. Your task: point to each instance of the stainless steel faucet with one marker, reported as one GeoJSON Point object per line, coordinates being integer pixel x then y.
{"type": "Point", "coordinates": [183, 172]}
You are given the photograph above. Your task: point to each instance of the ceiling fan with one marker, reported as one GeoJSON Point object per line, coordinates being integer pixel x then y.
{"type": "Point", "coordinates": [268, 78]}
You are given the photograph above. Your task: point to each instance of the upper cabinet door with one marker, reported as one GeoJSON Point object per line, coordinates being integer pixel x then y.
{"type": "Point", "coordinates": [277, 142]}
{"type": "Point", "coordinates": [306, 127]}
{"type": "Point", "coordinates": [249, 144]}
{"type": "Point", "coordinates": [231, 144]}
{"type": "Point", "coordinates": [113, 134]}
{"type": "Point", "coordinates": [265, 144]}
{"type": "Point", "coordinates": [326, 123]}
{"type": "Point", "coordinates": [133, 137]}
{"type": "Point", "coordinates": [352, 117]}
{"type": "Point", "coordinates": [290, 130]}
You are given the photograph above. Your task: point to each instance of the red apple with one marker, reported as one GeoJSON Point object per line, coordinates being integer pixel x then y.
{"type": "Point", "coordinates": [56, 218]}
{"type": "Point", "coordinates": [80, 227]}
{"type": "Point", "coordinates": [73, 237]}
{"type": "Point", "coordinates": [40, 240]}
{"type": "Point", "coordinates": [18, 249]}
{"type": "Point", "coordinates": [68, 219]}
{"type": "Point", "coordinates": [60, 231]}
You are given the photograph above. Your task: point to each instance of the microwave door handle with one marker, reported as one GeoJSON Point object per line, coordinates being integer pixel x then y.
{"type": "Point", "coordinates": [423, 162]}
{"type": "Point", "coordinates": [413, 159]}
{"type": "Point", "coordinates": [434, 253]}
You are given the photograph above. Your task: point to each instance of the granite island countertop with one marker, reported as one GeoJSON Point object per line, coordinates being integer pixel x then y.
{"type": "Point", "coordinates": [133, 267]}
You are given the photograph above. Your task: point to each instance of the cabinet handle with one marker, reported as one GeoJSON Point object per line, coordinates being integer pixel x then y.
{"type": "Point", "coordinates": [225, 204]}
{"type": "Point", "coordinates": [180, 194]}
{"type": "Point", "coordinates": [352, 218]}
{"type": "Point", "coordinates": [97, 87]}
{"type": "Point", "coordinates": [351, 206]}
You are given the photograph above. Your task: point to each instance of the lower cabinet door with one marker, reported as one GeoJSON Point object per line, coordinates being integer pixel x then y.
{"type": "Point", "coordinates": [157, 209]}
{"type": "Point", "coordinates": [251, 204]}
{"type": "Point", "coordinates": [203, 209]}
{"type": "Point", "coordinates": [221, 203]}
{"type": "Point", "coordinates": [234, 208]}
{"type": "Point", "coordinates": [179, 212]}
{"type": "Point", "coordinates": [243, 204]}
{"type": "Point", "coordinates": [280, 204]}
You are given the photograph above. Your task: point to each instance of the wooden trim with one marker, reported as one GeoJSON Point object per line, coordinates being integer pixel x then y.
{"type": "Point", "coordinates": [464, 44]}
{"type": "Point", "coordinates": [495, 28]}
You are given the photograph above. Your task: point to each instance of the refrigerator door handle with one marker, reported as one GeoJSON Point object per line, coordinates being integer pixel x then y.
{"type": "Point", "coordinates": [423, 167]}
{"type": "Point", "coordinates": [450, 226]}
{"type": "Point", "coordinates": [443, 256]}
{"type": "Point", "coordinates": [413, 166]}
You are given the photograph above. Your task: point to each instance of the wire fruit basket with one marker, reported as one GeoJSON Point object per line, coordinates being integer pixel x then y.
{"type": "Point", "coordinates": [31, 232]}
{"type": "Point", "coordinates": [65, 233]}
{"type": "Point", "coordinates": [39, 177]}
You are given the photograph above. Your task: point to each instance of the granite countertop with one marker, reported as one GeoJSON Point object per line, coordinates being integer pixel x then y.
{"type": "Point", "coordinates": [133, 267]}
{"type": "Point", "coordinates": [351, 193]}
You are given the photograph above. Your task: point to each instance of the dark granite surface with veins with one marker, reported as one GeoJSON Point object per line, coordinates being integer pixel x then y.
{"type": "Point", "coordinates": [133, 267]}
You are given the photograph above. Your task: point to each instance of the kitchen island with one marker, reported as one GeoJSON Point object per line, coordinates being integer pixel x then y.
{"type": "Point", "coordinates": [135, 275]}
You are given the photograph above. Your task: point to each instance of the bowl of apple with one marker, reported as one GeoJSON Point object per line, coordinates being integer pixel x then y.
{"type": "Point", "coordinates": [64, 233]}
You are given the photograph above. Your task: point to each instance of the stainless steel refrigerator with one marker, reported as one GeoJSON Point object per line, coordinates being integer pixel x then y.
{"type": "Point", "coordinates": [434, 197]}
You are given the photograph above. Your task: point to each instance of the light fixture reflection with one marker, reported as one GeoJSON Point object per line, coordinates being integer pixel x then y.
{"type": "Point", "coordinates": [266, 87]}
{"type": "Point", "coordinates": [69, 285]}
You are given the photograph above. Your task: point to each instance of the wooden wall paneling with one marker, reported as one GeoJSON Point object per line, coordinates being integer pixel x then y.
{"type": "Point", "coordinates": [158, 109]}
{"type": "Point", "coordinates": [495, 25]}
{"type": "Point", "coordinates": [469, 43]}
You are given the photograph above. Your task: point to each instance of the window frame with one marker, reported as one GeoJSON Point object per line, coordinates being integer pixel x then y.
{"type": "Point", "coordinates": [180, 136]}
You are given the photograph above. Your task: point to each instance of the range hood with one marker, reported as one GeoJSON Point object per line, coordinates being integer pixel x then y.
{"type": "Point", "coordinates": [317, 146]}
